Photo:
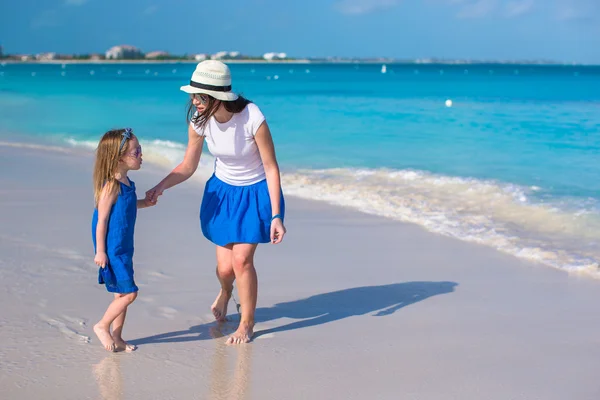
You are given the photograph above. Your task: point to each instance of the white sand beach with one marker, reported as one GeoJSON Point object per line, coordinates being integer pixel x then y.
{"type": "Point", "coordinates": [351, 306]}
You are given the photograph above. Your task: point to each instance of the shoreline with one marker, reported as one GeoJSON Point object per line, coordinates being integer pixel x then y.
{"type": "Point", "coordinates": [308, 61]}
{"type": "Point", "coordinates": [548, 257]}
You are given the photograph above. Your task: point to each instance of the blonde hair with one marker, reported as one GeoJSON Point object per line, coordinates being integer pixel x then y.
{"type": "Point", "coordinates": [108, 154]}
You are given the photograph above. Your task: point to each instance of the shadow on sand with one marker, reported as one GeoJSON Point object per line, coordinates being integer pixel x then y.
{"type": "Point", "coordinates": [323, 308]}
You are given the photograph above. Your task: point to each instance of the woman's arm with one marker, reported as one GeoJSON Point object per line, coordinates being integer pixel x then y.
{"type": "Point", "coordinates": [107, 199]}
{"type": "Point", "coordinates": [184, 170]}
{"type": "Point", "coordinates": [266, 148]}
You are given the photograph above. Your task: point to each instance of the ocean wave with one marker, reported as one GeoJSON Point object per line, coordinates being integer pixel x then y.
{"type": "Point", "coordinates": [507, 217]}
{"type": "Point", "coordinates": [35, 146]}
{"type": "Point", "coordinates": [163, 153]}
{"type": "Point", "coordinates": [520, 220]}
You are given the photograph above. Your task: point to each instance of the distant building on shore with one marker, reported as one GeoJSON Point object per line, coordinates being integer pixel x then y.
{"type": "Point", "coordinates": [219, 56]}
{"type": "Point", "coordinates": [227, 55]}
{"type": "Point", "coordinates": [124, 52]}
{"type": "Point", "coordinates": [46, 56]}
{"type": "Point", "coordinates": [200, 57]}
{"type": "Point", "coordinates": [274, 56]}
{"type": "Point", "coordinates": [155, 55]}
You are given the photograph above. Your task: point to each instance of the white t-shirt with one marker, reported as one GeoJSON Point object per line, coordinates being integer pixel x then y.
{"type": "Point", "coordinates": [237, 159]}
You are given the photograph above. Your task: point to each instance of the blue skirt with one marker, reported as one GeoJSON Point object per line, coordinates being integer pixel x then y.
{"type": "Point", "coordinates": [236, 214]}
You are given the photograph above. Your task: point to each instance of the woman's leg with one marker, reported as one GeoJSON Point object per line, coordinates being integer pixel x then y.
{"type": "Point", "coordinates": [117, 328]}
{"type": "Point", "coordinates": [226, 278]}
{"type": "Point", "coordinates": [116, 307]}
{"type": "Point", "coordinates": [247, 282]}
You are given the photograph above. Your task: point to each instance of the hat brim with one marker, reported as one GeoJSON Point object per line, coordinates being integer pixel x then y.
{"type": "Point", "coordinates": [223, 96]}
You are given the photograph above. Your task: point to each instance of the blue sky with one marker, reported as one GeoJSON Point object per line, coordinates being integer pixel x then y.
{"type": "Point", "coordinates": [562, 30]}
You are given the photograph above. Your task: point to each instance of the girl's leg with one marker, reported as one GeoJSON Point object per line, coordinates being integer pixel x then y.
{"type": "Point", "coordinates": [116, 307]}
{"type": "Point", "coordinates": [117, 330]}
{"type": "Point", "coordinates": [245, 273]}
{"type": "Point", "coordinates": [226, 278]}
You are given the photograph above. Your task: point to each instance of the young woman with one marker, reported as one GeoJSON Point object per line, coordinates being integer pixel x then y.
{"type": "Point", "coordinates": [243, 204]}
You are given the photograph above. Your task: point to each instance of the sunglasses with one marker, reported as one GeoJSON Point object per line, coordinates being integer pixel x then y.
{"type": "Point", "coordinates": [137, 153]}
{"type": "Point", "coordinates": [202, 98]}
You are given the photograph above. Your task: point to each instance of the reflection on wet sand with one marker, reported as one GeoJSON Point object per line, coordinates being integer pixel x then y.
{"type": "Point", "coordinates": [230, 368]}
{"type": "Point", "coordinates": [224, 386]}
{"type": "Point", "coordinates": [109, 378]}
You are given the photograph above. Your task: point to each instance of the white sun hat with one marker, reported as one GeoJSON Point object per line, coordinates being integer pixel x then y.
{"type": "Point", "coordinates": [213, 78]}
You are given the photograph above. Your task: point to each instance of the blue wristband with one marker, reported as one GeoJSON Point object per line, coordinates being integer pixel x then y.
{"type": "Point", "coordinates": [276, 216]}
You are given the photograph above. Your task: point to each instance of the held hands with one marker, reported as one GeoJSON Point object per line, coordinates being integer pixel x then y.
{"type": "Point", "coordinates": [152, 195]}
{"type": "Point", "coordinates": [277, 230]}
{"type": "Point", "coordinates": [147, 203]}
{"type": "Point", "coordinates": [101, 259]}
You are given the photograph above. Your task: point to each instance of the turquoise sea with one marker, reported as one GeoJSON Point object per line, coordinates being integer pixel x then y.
{"type": "Point", "coordinates": [512, 164]}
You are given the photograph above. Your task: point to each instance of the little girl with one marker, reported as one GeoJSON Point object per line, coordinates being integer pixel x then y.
{"type": "Point", "coordinates": [113, 226]}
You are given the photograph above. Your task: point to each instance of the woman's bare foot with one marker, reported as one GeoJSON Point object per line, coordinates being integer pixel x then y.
{"type": "Point", "coordinates": [104, 337]}
{"type": "Point", "coordinates": [219, 307]}
{"type": "Point", "coordinates": [243, 334]}
{"type": "Point", "coordinates": [121, 345]}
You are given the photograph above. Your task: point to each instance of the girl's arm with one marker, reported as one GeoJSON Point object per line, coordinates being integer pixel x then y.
{"type": "Point", "coordinates": [107, 199]}
{"type": "Point", "coordinates": [184, 170]}
{"type": "Point", "coordinates": [266, 148]}
{"type": "Point", "coordinates": [143, 203]}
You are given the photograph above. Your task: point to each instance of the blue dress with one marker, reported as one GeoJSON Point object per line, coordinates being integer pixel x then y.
{"type": "Point", "coordinates": [118, 274]}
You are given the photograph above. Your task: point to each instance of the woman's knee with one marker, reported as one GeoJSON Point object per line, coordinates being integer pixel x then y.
{"type": "Point", "coordinates": [242, 261]}
{"type": "Point", "coordinates": [224, 270]}
{"type": "Point", "coordinates": [224, 261]}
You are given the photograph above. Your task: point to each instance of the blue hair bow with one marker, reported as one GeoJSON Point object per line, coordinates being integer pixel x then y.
{"type": "Point", "coordinates": [126, 135]}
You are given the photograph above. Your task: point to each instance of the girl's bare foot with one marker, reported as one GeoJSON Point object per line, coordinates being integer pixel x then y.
{"type": "Point", "coordinates": [243, 334]}
{"type": "Point", "coordinates": [104, 337]}
{"type": "Point", "coordinates": [121, 345]}
{"type": "Point", "coordinates": [219, 307]}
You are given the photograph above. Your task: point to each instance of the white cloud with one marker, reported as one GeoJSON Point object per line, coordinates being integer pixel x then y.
{"type": "Point", "coordinates": [518, 7]}
{"type": "Point", "coordinates": [356, 7]}
{"type": "Point", "coordinates": [476, 9]}
{"type": "Point", "coordinates": [566, 13]}
{"type": "Point", "coordinates": [577, 10]}
{"type": "Point", "coordinates": [150, 10]}
{"type": "Point", "coordinates": [486, 8]}
{"type": "Point", "coordinates": [75, 2]}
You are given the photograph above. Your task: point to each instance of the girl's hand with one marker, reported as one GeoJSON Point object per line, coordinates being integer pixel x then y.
{"type": "Point", "coordinates": [101, 259]}
{"type": "Point", "coordinates": [152, 194]}
{"type": "Point", "coordinates": [277, 231]}
{"type": "Point", "coordinates": [148, 203]}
